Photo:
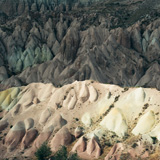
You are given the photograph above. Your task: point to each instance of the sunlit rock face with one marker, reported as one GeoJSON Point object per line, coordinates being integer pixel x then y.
{"type": "Point", "coordinates": [86, 116]}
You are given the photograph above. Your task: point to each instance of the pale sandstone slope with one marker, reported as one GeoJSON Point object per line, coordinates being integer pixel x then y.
{"type": "Point", "coordinates": [87, 116]}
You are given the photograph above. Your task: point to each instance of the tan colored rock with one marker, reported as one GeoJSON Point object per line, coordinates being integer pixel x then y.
{"type": "Point", "coordinates": [45, 91]}
{"type": "Point", "coordinates": [78, 132]}
{"type": "Point", "coordinates": [115, 121]}
{"type": "Point", "coordinates": [139, 151]}
{"type": "Point", "coordinates": [36, 100]}
{"type": "Point", "coordinates": [43, 137]}
{"type": "Point", "coordinates": [44, 116]}
{"type": "Point", "coordinates": [56, 98]}
{"type": "Point", "coordinates": [15, 135]}
{"type": "Point", "coordinates": [84, 93]}
{"type": "Point", "coordinates": [3, 124]}
{"type": "Point", "coordinates": [93, 148]}
{"type": "Point", "coordinates": [16, 109]}
{"type": "Point", "coordinates": [29, 137]}
{"type": "Point", "coordinates": [93, 94]}
{"type": "Point", "coordinates": [132, 103]}
{"type": "Point", "coordinates": [58, 122]}
{"type": "Point", "coordinates": [86, 119]}
{"type": "Point", "coordinates": [145, 123]}
{"type": "Point", "coordinates": [29, 123]}
{"type": "Point", "coordinates": [133, 107]}
{"type": "Point", "coordinates": [62, 138]}
{"type": "Point", "coordinates": [71, 100]}
{"type": "Point", "coordinates": [115, 152]}
{"type": "Point", "coordinates": [80, 145]}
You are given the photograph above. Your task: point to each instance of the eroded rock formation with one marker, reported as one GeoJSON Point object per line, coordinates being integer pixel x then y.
{"type": "Point", "coordinates": [43, 43]}
{"type": "Point", "coordinates": [127, 115]}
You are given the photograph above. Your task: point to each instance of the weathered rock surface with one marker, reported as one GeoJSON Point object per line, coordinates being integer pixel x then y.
{"type": "Point", "coordinates": [80, 146]}
{"type": "Point", "coordinates": [93, 148]}
{"type": "Point", "coordinates": [43, 137]}
{"type": "Point", "coordinates": [46, 42]}
{"type": "Point", "coordinates": [3, 124]}
{"type": "Point", "coordinates": [115, 152]}
{"type": "Point", "coordinates": [127, 115]}
{"type": "Point", "coordinates": [58, 42]}
{"type": "Point", "coordinates": [90, 149]}
{"type": "Point", "coordinates": [115, 121]}
{"type": "Point", "coordinates": [62, 138]}
{"type": "Point", "coordinates": [15, 136]}
{"type": "Point", "coordinates": [78, 132]}
{"type": "Point", "coordinates": [29, 137]}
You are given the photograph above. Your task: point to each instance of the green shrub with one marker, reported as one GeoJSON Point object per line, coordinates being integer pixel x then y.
{"type": "Point", "coordinates": [73, 156]}
{"type": "Point", "coordinates": [43, 152]}
{"type": "Point", "coordinates": [63, 155]}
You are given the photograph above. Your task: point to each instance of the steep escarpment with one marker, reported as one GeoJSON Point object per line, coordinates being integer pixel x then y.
{"type": "Point", "coordinates": [18, 7]}
{"type": "Point", "coordinates": [102, 41]}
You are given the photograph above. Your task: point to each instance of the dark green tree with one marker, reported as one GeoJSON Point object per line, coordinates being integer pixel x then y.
{"type": "Point", "coordinates": [61, 154]}
{"type": "Point", "coordinates": [43, 152]}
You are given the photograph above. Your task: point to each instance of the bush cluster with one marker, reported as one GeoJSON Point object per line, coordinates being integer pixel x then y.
{"type": "Point", "coordinates": [44, 153]}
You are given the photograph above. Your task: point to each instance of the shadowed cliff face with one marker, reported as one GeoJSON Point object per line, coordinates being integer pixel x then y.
{"type": "Point", "coordinates": [113, 42]}
{"type": "Point", "coordinates": [18, 7]}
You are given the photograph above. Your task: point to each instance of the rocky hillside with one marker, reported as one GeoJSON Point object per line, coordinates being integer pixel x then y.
{"type": "Point", "coordinates": [95, 120]}
{"type": "Point", "coordinates": [115, 42]}
{"type": "Point", "coordinates": [84, 74]}
{"type": "Point", "coordinates": [18, 7]}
